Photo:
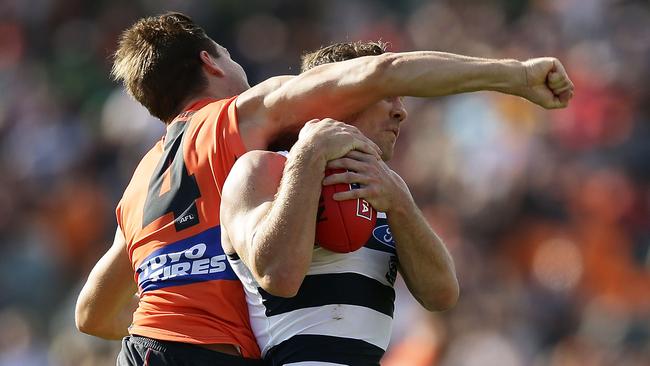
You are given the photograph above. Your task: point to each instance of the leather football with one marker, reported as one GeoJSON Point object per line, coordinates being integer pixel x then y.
{"type": "Point", "coordinates": [343, 226]}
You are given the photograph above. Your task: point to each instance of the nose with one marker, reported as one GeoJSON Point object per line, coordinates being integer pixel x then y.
{"type": "Point", "coordinates": [398, 111]}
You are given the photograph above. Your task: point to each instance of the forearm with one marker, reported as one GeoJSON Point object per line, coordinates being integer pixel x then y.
{"type": "Point", "coordinates": [283, 242]}
{"type": "Point", "coordinates": [425, 263]}
{"type": "Point", "coordinates": [432, 74]}
{"type": "Point", "coordinates": [106, 302]}
{"type": "Point", "coordinates": [106, 317]}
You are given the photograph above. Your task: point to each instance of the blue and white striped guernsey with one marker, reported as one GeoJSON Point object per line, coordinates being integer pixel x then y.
{"type": "Point", "coordinates": [342, 314]}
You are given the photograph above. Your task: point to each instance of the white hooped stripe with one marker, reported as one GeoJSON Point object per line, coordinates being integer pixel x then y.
{"type": "Point", "coordinates": [339, 320]}
{"type": "Point", "coordinates": [368, 262]}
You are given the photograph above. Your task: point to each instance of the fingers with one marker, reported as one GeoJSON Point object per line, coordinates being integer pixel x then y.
{"type": "Point", "coordinates": [367, 146]}
{"type": "Point", "coordinates": [360, 156]}
{"type": "Point", "coordinates": [347, 163]}
{"type": "Point", "coordinates": [340, 138]}
{"type": "Point", "coordinates": [364, 144]}
{"type": "Point", "coordinates": [356, 162]}
{"type": "Point", "coordinates": [348, 177]}
{"type": "Point", "coordinates": [351, 194]}
{"type": "Point", "coordinates": [352, 160]}
{"type": "Point", "coordinates": [361, 143]}
{"type": "Point", "coordinates": [559, 82]}
{"type": "Point", "coordinates": [565, 96]}
{"type": "Point", "coordinates": [555, 80]}
{"type": "Point", "coordinates": [306, 127]}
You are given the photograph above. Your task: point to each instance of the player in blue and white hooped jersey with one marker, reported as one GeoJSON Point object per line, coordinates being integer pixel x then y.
{"type": "Point", "coordinates": [342, 312]}
{"type": "Point", "coordinates": [310, 306]}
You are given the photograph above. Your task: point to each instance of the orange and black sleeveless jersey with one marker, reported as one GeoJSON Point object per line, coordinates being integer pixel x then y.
{"type": "Point", "coordinates": [169, 215]}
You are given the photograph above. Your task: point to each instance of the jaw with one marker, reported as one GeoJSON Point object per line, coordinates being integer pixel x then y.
{"type": "Point", "coordinates": [387, 151]}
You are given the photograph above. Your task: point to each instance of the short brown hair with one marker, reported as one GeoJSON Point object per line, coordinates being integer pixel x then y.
{"type": "Point", "coordinates": [341, 52]}
{"type": "Point", "coordinates": [158, 61]}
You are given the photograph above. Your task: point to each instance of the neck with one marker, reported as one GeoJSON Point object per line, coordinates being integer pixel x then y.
{"type": "Point", "coordinates": [212, 91]}
{"type": "Point", "coordinates": [188, 102]}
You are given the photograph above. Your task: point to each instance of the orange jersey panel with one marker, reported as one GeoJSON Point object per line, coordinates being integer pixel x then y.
{"type": "Point", "coordinates": [169, 215]}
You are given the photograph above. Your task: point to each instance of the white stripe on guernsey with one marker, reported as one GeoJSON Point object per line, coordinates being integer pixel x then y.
{"type": "Point", "coordinates": [381, 215]}
{"type": "Point", "coordinates": [338, 320]}
{"type": "Point", "coordinates": [368, 262]}
{"type": "Point", "coordinates": [256, 310]}
{"type": "Point", "coordinates": [313, 363]}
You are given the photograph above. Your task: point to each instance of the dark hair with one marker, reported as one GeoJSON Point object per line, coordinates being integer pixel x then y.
{"type": "Point", "coordinates": [341, 52]}
{"type": "Point", "coordinates": [158, 61]}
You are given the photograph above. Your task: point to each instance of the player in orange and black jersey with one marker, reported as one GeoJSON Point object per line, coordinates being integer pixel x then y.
{"type": "Point", "coordinates": [188, 293]}
{"type": "Point", "coordinates": [185, 305]}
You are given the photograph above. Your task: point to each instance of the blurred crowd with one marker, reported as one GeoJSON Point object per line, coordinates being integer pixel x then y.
{"type": "Point", "coordinates": [546, 213]}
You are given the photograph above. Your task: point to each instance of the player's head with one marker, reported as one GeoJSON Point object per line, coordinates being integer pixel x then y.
{"type": "Point", "coordinates": [166, 60]}
{"type": "Point", "coordinates": [381, 121]}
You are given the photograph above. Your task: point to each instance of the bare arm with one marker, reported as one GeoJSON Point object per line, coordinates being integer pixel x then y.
{"type": "Point", "coordinates": [340, 89]}
{"type": "Point", "coordinates": [107, 301]}
{"type": "Point", "coordinates": [269, 207]}
{"type": "Point", "coordinates": [424, 261]}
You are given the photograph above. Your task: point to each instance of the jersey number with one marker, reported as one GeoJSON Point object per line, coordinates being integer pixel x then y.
{"type": "Point", "coordinates": [183, 189]}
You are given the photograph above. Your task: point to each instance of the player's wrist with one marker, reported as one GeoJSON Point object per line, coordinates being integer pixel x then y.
{"type": "Point", "coordinates": [401, 204]}
{"type": "Point", "coordinates": [308, 153]}
{"type": "Point", "coordinates": [510, 77]}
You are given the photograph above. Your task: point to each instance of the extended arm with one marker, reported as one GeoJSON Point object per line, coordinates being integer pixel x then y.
{"type": "Point", "coordinates": [107, 301]}
{"type": "Point", "coordinates": [424, 261]}
{"type": "Point", "coordinates": [269, 207]}
{"type": "Point", "coordinates": [340, 89]}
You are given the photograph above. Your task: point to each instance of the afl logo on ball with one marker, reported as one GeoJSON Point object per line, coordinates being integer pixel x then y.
{"type": "Point", "coordinates": [364, 209]}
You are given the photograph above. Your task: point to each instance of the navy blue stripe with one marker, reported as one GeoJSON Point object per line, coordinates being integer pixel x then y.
{"type": "Point", "coordinates": [346, 351]}
{"type": "Point", "coordinates": [334, 288]}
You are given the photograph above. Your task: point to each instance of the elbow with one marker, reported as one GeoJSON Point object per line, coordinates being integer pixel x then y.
{"type": "Point", "coordinates": [89, 323]}
{"type": "Point", "coordinates": [380, 72]}
{"type": "Point", "coordinates": [282, 283]}
{"type": "Point", "coordinates": [84, 322]}
{"type": "Point", "coordinates": [443, 298]}
{"type": "Point", "coordinates": [384, 62]}
{"type": "Point", "coordinates": [373, 76]}
{"type": "Point", "coordinates": [87, 328]}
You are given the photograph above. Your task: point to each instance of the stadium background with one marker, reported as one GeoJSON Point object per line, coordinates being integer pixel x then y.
{"type": "Point", "coordinates": [545, 212]}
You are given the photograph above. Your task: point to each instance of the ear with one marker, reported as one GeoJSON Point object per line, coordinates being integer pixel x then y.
{"type": "Point", "coordinates": [209, 64]}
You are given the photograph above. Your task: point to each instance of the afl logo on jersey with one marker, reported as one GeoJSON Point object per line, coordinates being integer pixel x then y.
{"type": "Point", "coordinates": [383, 235]}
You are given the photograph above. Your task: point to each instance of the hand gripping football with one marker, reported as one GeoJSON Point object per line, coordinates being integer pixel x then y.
{"type": "Point", "coordinates": [343, 226]}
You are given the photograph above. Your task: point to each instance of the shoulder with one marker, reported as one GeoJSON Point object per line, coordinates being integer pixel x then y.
{"type": "Point", "coordinates": [259, 161]}
{"type": "Point", "coordinates": [262, 89]}
{"type": "Point", "coordinates": [255, 121]}
{"type": "Point", "coordinates": [250, 104]}
{"type": "Point", "coordinates": [256, 174]}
